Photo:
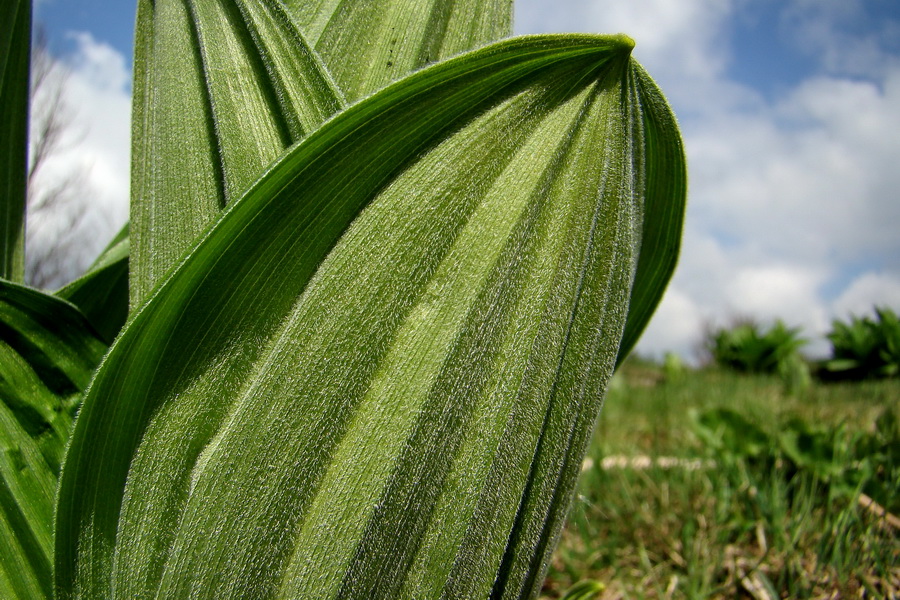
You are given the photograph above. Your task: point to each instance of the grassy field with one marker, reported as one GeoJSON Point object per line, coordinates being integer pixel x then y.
{"type": "Point", "coordinates": [708, 484]}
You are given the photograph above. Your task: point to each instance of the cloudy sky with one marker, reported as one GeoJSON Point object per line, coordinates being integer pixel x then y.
{"type": "Point", "coordinates": [790, 111]}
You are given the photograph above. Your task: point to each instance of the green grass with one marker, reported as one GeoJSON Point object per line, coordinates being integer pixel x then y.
{"type": "Point", "coordinates": [772, 512]}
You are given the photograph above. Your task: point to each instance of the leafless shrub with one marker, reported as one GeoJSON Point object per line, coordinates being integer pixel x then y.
{"type": "Point", "coordinates": [55, 201]}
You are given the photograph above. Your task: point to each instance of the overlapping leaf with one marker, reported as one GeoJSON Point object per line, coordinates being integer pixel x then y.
{"type": "Point", "coordinates": [47, 355]}
{"type": "Point", "coordinates": [398, 408]}
{"type": "Point", "coordinates": [101, 294]}
{"type": "Point", "coordinates": [15, 36]}
{"type": "Point", "coordinates": [221, 88]}
{"type": "Point", "coordinates": [664, 202]}
{"type": "Point", "coordinates": [369, 43]}
{"type": "Point", "coordinates": [224, 86]}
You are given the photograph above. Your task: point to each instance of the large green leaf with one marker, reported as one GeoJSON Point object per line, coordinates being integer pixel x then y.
{"type": "Point", "coordinates": [369, 43]}
{"type": "Point", "coordinates": [664, 201]}
{"type": "Point", "coordinates": [15, 54]}
{"type": "Point", "coordinates": [221, 88]}
{"type": "Point", "coordinates": [47, 355]}
{"type": "Point", "coordinates": [101, 294]}
{"type": "Point", "coordinates": [394, 409]}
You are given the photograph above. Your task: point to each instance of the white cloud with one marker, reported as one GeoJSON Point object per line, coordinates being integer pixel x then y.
{"type": "Point", "coordinates": [779, 292]}
{"type": "Point", "coordinates": [93, 160]}
{"type": "Point", "coordinates": [809, 178]}
{"type": "Point", "coordinates": [865, 293]}
{"type": "Point", "coordinates": [674, 33]}
{"type": "Point", "coordinates": [99, 65]}
{"type": "Point", "coordinates": [818, 28]}
{"type": "Point", "coordinates": [789, 196]}
{"type": "Point", "coordinates": [682, 43]}
{"type": "Point", "coordinates": [682, 37]}
{"type": "Point", "coordinates": [675, 326]}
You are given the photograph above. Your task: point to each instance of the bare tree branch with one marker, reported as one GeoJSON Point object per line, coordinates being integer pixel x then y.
{"type": "Point", "coordinates": [55, 201]}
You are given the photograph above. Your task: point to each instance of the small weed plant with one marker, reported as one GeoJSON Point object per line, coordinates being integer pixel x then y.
{"type": "Point", "coordinates": [743, 491]}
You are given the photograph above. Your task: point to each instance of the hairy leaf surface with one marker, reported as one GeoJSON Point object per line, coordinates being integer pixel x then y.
{"type": "Point", "coordinates": [47, 355]}
{"type": "Point", "coordinates": [665, 194]}
{"type": "Point", "coordinates": [376, 376]}
{"type": "Point", "coordinates": [222, 87]}
{"type": "Point", "coordinates": [15, 49]}
{"type": "Point", "coordinates": [369, 43]}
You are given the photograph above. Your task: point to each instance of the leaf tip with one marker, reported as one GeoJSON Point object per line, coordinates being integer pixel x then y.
{"type": "Point", "coordinates": [626, 41]}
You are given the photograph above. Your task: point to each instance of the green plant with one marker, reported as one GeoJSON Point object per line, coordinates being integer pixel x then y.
{"type": "Point", "coordinates": [808, 466]}
{"type": "Point", "coordinates": [663, 511]}
{"type": "Point", "coordinates": [865, 347]}
{"type": "Point", "coordinates": [584, 590]}
{"type": "Point", "coordinates": [369, 324]}
{"type": "Point", "coordinates": [748, 348]}
{"type": "Point", "coordinates": [846, 463]}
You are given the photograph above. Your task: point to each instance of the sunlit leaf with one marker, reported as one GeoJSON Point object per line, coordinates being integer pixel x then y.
{"type": "Point", "coordinates": [15, 48]}
{"type": "Point", "coordinates": [221, 89]}
{"type": "Point", "coordinates": [393, 408]}
{"type": "Point", "coordinates": [47, 355]}
{"type": "Point", "coordinates": [369, 43]}
{"type": "Point", "coordinates": [664, 202]}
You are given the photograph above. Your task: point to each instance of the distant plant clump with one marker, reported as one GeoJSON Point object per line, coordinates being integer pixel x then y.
{"type": "Point", "coordinates": [862, 348]}
{"type": "Point", "coordinates": [748, 348]}
{"type": "Point", "coordinates": [865, 348]}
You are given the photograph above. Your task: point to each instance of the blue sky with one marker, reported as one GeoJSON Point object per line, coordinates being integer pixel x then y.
{"type": "Point", "coordinates": [109, 22]}
{"type": "Point", "coordinates": [771, 52]}
{"type": "Point", "coordinates": [790, 111]}
{"type": "Point", "coordinates": [766, 46]}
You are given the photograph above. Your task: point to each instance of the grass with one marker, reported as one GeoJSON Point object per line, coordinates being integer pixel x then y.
{"type": "Point", "coordinates": [763, 506]}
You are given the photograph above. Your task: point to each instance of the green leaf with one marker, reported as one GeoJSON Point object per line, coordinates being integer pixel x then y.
{"type": "Point", "coordinates": [47, 355]}
{"type": "Point", "coordinates": [15, 56]}
{"type": "Point", "coordinates": [377, 375]}
{"type": "Point", "coordinates": [587, 589]}
{"type": "Point", "coordinates": [664, 207]}
{"type": "Point", "coordinates": [102, 292]}
{"type": "Point", "coordinates": [221, 89]}
{"type": "Point", "coordinates": [369, 43]}
{"type": "Point", "coordinates": [865, 347]}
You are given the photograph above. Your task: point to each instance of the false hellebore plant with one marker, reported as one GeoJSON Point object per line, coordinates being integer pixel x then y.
{"type": "Point", "coordinates": [375, 283]}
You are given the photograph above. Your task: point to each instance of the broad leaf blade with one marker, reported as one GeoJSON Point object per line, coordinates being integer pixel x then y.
{"type": "Point", "coordinates": [101, 294]}
{"type": "Point", "coordinates": [664, 201]}
{"type": "Point", "coordinates": [47, 355]}
{"type": "Point", "coordinates": [310, 410]}
{"type": "Point", "coordinates": [222, 87]}
{"type": "Point", "coordinates": [15, 56]}
{"type": "Point", "coordinates": [656, 143]}
{"type": "Point", "coordinates": [369, 43]}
